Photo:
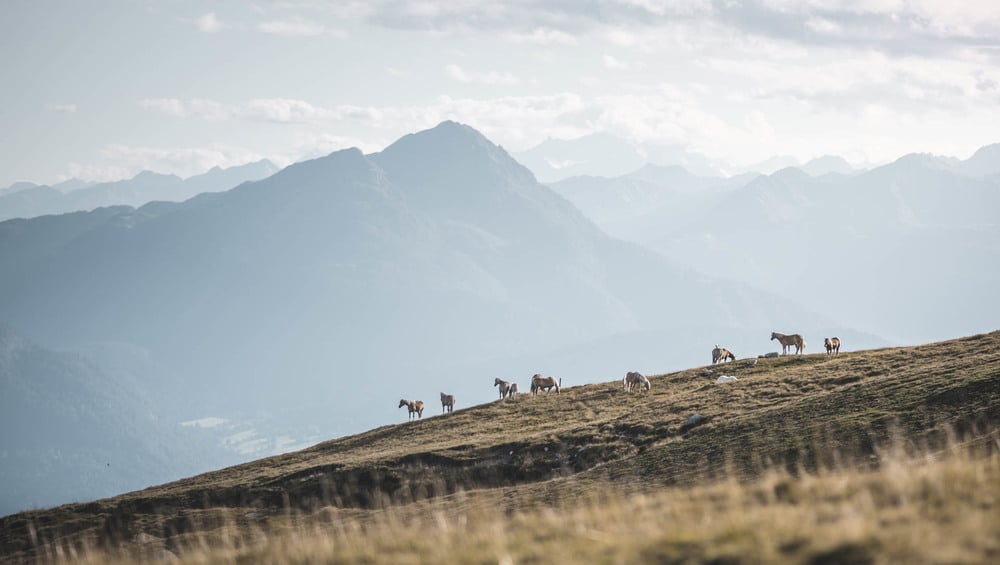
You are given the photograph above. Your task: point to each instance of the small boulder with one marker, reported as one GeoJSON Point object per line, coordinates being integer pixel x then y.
{"type": "Point", "coordinates": [694, 420]}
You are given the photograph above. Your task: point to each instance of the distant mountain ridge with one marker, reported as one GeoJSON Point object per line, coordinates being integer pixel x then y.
{"type": "Point", "coordinates": [863, 241]}
{"type": "Point", "coordinates": [439, 262]}
{"type": "Point", "coordinates": [605, 155]}
{"type": "Point", "coordinates": [147, 186]}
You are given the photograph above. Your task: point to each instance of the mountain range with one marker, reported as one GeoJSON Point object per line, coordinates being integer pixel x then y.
{"type": "Point", "coordinates": [304, 305]}
{"type": "Point", "coordinates": [605, 155]}
{"type": "Point", "coordinates": [901, 250]}
{"type": "Point", "coordinates": [28, 200]}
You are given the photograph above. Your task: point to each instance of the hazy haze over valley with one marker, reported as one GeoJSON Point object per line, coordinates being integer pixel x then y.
{"type": "Point", "coordinates": [239, 229]}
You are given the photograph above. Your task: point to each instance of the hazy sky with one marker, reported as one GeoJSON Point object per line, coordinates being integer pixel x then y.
{"type": "Point", "coordinates": [104, 88]}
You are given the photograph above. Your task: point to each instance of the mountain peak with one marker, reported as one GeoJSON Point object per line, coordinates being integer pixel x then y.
{"type": "Point", "coordinates": [985, 161]}
{"type": "Point", "coordinates": [451, 154]}
{"type": "Point", "coordinates": [827, 164]}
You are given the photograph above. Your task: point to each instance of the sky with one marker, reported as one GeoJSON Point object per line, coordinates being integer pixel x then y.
{"type": "Point", "coordinates": [103, 89]}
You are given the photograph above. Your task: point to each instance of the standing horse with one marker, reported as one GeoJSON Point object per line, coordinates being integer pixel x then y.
{"type": "Point", "coordinates": [447, 403]}
{"type": "Point", "coordinates": [513, 390]}
{"type": "Point", "coordinates": [539, 382]}
{"type": "Point", "coordinates": [504, 386]}
{"type": "Point", "coordinates": [721, 354]}
{"type": "Point", "coordinates": [414, 406]}
{"type": "Point", "coordinates": [633, 380]}
{"type": "Point", "coordinates": [787, 341]}
{"type": "Point", "coordinates": [832, 345]}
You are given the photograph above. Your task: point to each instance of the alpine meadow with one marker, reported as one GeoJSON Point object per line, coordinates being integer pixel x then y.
{"type": "Point", "coordinates": [403, 281]}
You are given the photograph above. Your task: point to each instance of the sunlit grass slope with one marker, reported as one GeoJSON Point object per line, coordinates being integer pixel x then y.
{"type": "Point", "coordinates": [848, 458]}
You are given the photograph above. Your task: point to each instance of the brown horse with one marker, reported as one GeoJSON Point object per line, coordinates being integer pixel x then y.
{"type": "Point", "coordinates": [414, 406]}
{"type": "Point", "coordinates": [832, 345]}
{"type": "Point", "coordinates": [539, 382]}
{"type": "Point", "coordinates": [787, 341]}
{"type": "Point", "coordinates": [633, 380]}
{"type": "Point", "coordinates": [447, 403]}
{"type": "Point", "coordinates": [721, 354]}
{"type": "Point", "coordinates": [512, 393]}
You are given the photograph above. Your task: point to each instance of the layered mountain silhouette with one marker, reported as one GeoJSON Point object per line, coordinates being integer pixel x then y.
{"type": "Point", "coordinates": [603, 154]}
{"type": "Point", "coordinates": [904, 250]}
{"type": "Point", "coordinates": [648, 200]}
{"type": "Point", "coordinates": [332, 288]}
{"type": "Point", "coordinates": [27, 200]}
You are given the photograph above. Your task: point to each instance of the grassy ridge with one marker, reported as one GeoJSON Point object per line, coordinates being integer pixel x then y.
{"type": "Point", "coordinates": [785, 417]}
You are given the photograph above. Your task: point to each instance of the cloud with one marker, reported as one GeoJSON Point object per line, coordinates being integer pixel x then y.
{"type": "Point", "coordinates": [276, 110]}
{"type": "Point", "coordinates": [490, 77]}
{"type": "Point", "coordinates": [63, 108]}
{"type": "Point", "coordinates": [613, 63]}
{"type": "Point", "coordinates": [543, 36]}
{"type": "Point", "coordinates": [96, 173]}
{"type": "Point", "coordinates": [209, 23]}
{"type": "Point", "coordinates": [126, 161]}
{"type": "Point", "coordinates": [929, 27]}
{"type": "Point", "coordinates": [298, 27]}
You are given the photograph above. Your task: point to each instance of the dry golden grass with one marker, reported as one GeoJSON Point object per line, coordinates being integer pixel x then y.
{"type": "Point", "coordinates": [787, 466]}
{"type": "Point", "coordinates": [940, 508]}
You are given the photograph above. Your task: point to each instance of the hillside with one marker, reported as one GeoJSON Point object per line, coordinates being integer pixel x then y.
{"type": "Point", "coordinates": [71, 430]}
{"type": "Point", "coordinates": [794, 413]}
{"type": "Point", "coordinates": [352, 274]}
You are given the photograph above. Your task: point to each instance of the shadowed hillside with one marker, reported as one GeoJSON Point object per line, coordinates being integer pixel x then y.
{"type": "Point", "coordinates": [793, 413]}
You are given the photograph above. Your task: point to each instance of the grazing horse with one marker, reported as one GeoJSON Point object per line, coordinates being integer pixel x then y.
{"type": "Point", "coordinates": [832, 345]}
{"type": "Point", "coordinates": [787, 341]}
{"type": "Point", "coordinates": [513, 390]}
{"type": "Point", "coordinates": [633, 380]}
{"type": "Point", "coordinates": [447, 403]}
{"type": "Point", "coordinates": [539, 382]}
{"type": "Point", "coordinates": [721, 354]}
{"type": "Point", "coordinates": [504, 386]}
{"type": "Point", "coordinates": [414, 406]}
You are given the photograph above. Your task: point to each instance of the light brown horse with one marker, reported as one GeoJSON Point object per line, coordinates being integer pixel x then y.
{"type": "Point", "coordinates": [447, 403]}
{"type": "Point", "coordinates": [633, 380]}
{"type": "Point", "coordinates": [504, 386]}
{"type": "Point", "coordinates": [721, 354]}
{"type": "Point", "coordinates": [414, 406]}
{"type": "Point", "coordinates": [832, 345]}
{"type": "Point", "coordinates": [539, 382]}
{"type": "Point", "coordinates": [787, 341]}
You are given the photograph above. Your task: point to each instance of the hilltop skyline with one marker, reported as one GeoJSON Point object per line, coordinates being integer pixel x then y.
{"type": "Point", "coordinates": [107, 89]}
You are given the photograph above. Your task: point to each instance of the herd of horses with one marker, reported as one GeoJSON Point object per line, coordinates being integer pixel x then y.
{"type": "Point", "coordinates": [633, 381]}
